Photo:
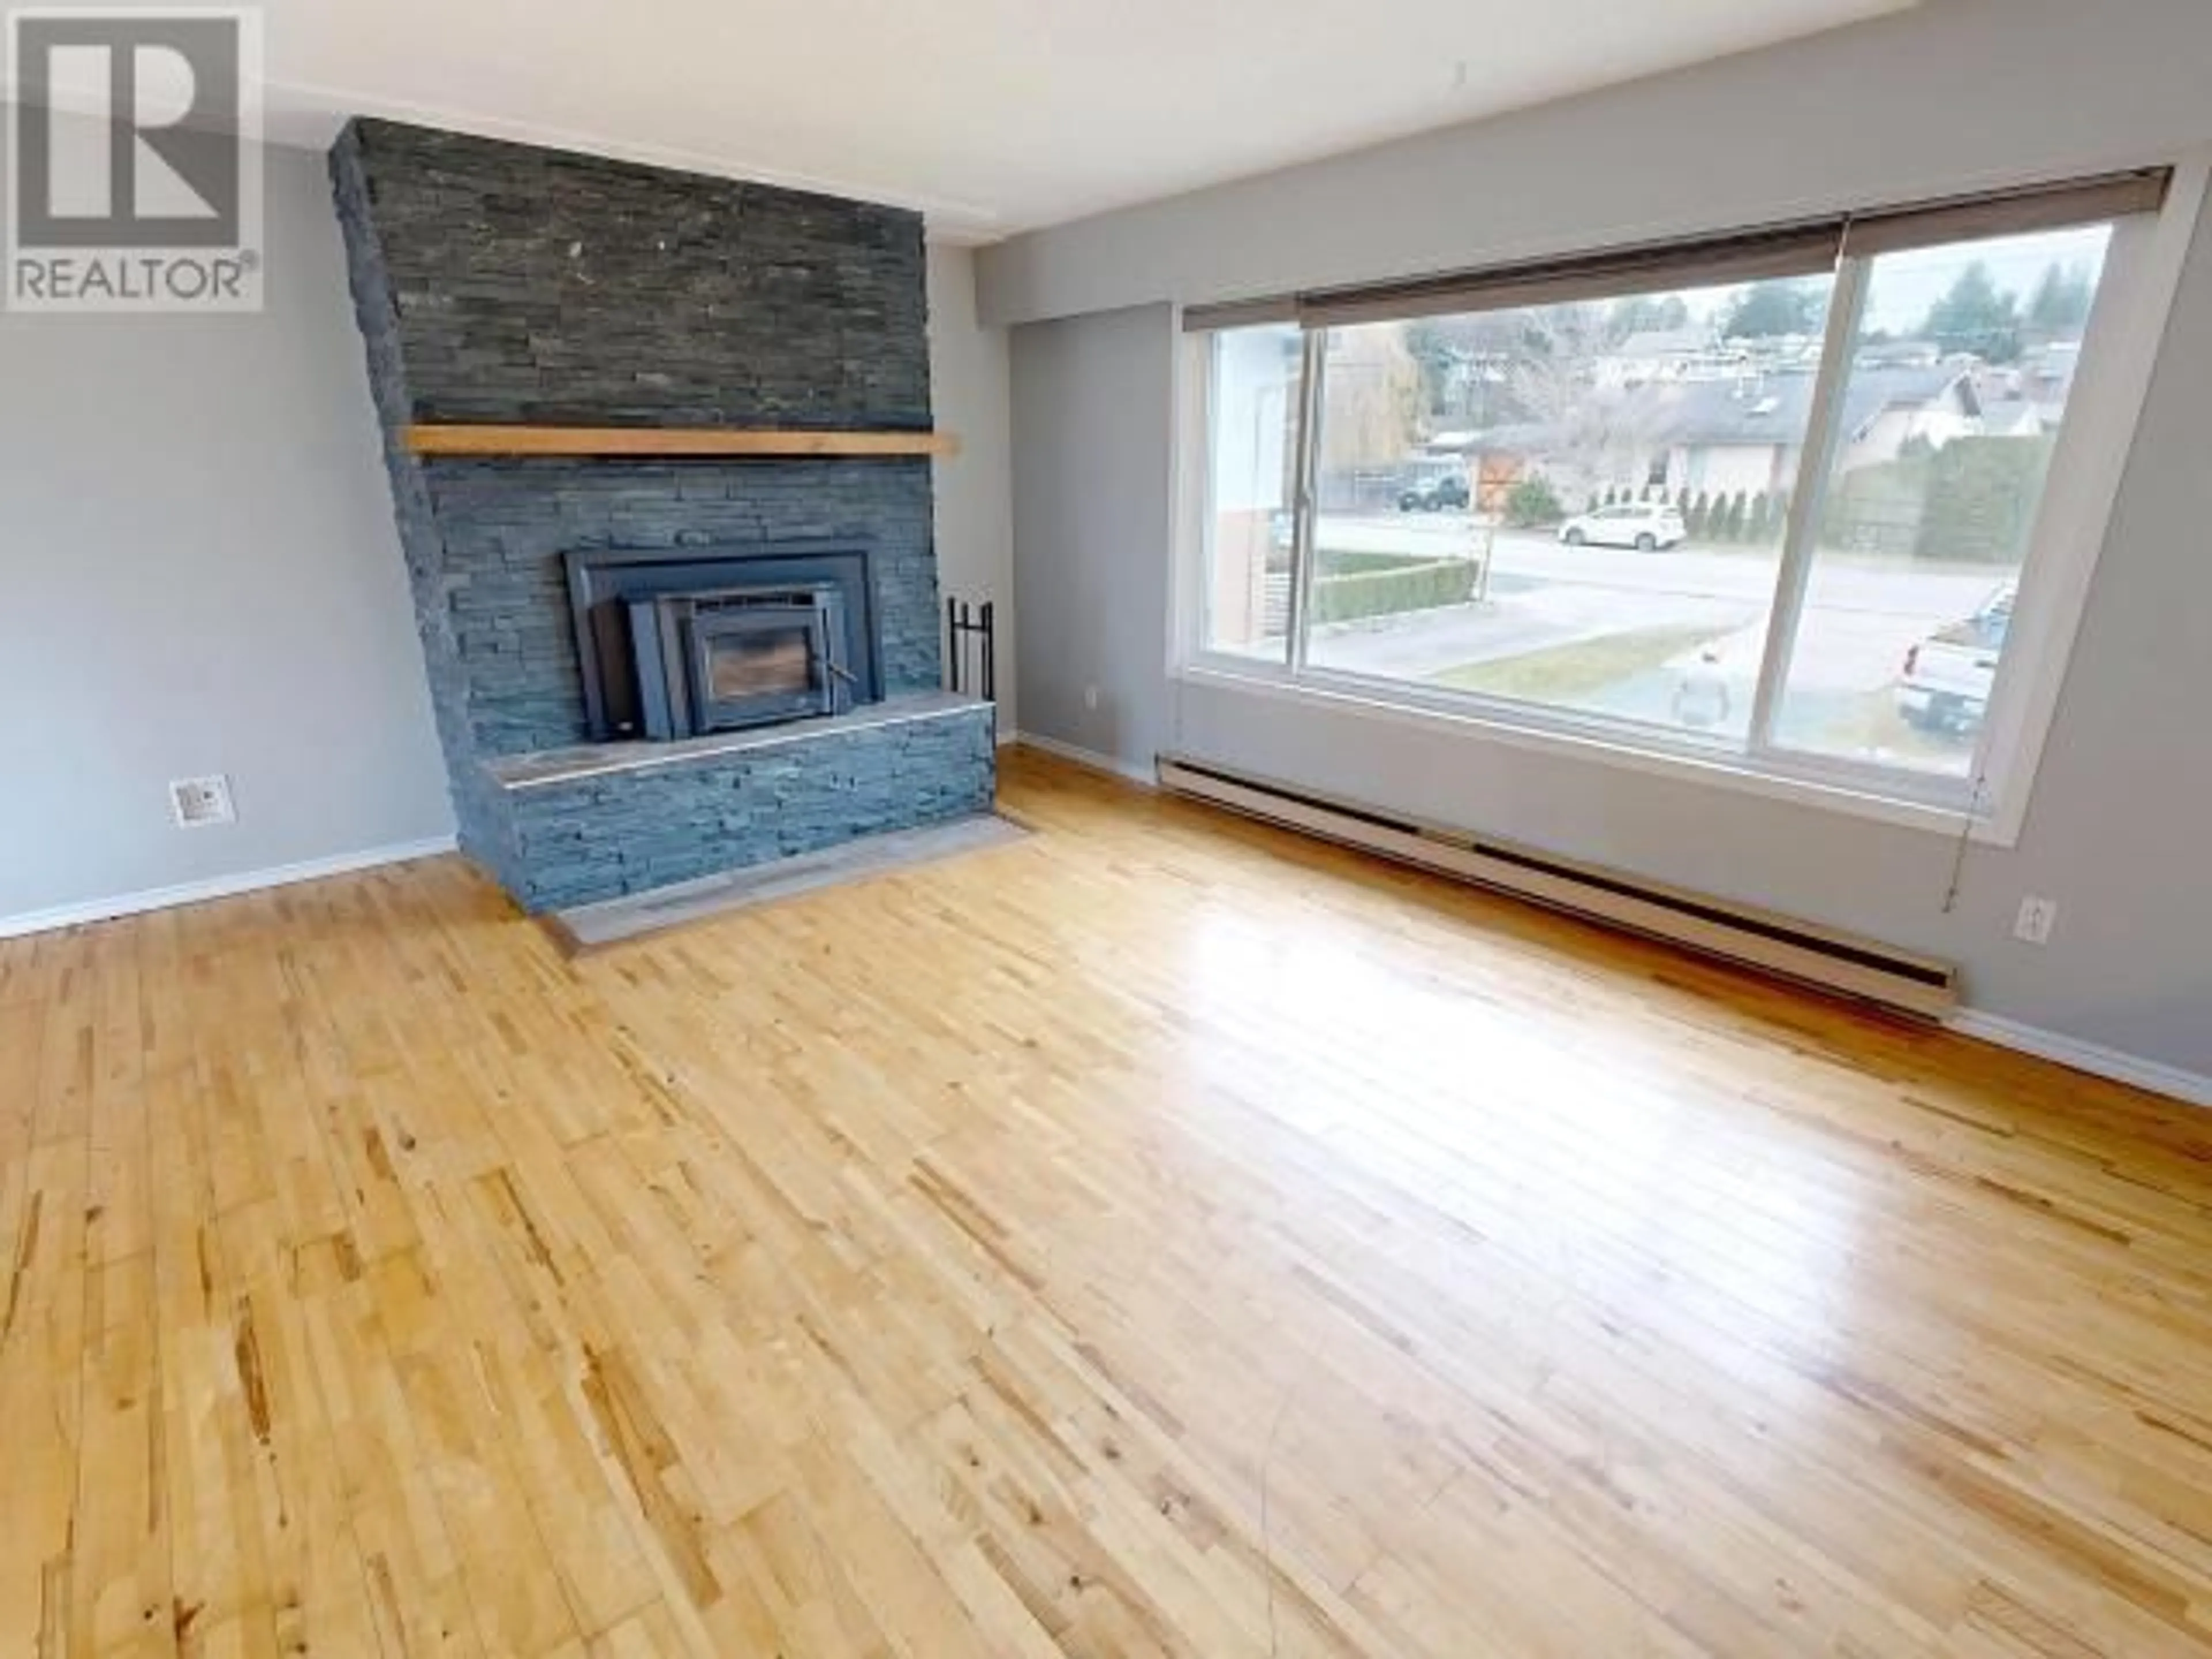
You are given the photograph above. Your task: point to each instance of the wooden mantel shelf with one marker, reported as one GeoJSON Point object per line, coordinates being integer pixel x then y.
{"type": "Point", "coordinates": [669, 441]}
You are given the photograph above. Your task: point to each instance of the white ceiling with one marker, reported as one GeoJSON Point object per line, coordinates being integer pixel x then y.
{"type": "Point", "coordinates": [994, 116]}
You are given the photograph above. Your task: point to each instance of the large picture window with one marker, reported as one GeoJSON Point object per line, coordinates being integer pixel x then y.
{"type": "Point", "coordinates": [1774, 500]}
{"type": "Point", "coordinates": [1770, 501]}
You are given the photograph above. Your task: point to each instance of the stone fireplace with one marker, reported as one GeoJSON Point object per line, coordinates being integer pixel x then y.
{"type": "Point", "coordinates": [646, 669]}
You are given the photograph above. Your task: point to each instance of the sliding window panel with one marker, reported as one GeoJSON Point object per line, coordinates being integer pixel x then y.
{"type": "Point", "coordinates": [1577, 507]}
{"type": "Point", "coordinates": [1957, 387]}
{"type": "Point", "coordinates": [1255, 378]}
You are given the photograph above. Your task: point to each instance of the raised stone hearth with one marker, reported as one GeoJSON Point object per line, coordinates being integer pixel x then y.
{"type": "Point", "coordinates": [577, 826]}
{"type": "Point", "coordinates": [501, 283]}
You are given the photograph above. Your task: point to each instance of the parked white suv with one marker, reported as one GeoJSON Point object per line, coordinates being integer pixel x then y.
{"type": "Point", "coordinates": [1644, 525]}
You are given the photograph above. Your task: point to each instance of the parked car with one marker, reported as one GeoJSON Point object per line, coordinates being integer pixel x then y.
{"type": "Point", "coordinates": [1446, 490]}
{"type": "Point", "coordinates": [1946, 684]}
{"type": "Point", "coordinates": [1645, 526]}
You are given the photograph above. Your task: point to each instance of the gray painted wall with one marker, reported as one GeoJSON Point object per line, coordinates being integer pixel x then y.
{"type": "Point", "coordinates": [201, 575]}
{"type": "Point", "coordinates": [256, 502]}
{"type": "Point", "coordinates": [2123, 809]}
{"type": "Point", "coordinates": [1953, 96]}
{"type": "Point", "coordinates": [1091, 501]}
{"type": "Point", "coordinates": [969, 388]}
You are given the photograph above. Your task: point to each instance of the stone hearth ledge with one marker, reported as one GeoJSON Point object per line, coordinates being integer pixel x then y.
{"type": "Point", "coordinates": [557, 766]}
{"type": "Point", "coordinates": [598, 824]}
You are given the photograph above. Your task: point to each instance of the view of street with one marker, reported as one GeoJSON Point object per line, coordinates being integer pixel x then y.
{"type": "Point", "coordinates": [1618, 631]}
{"type": "Point", "coordinates": [1582, 506]}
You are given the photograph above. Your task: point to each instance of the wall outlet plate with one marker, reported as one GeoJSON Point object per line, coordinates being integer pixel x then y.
{"type": "Point", "coordinates": [199, 803]}
{"type": "Point", "coordinates": [2038, 916]}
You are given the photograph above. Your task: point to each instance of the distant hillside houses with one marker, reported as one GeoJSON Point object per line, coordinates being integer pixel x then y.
{"type": "Point", "coordinates": [1688, 430]}
{"type": "Point", "coordinates": [1661, 356]}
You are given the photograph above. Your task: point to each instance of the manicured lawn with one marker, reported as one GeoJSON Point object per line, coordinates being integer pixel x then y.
{"type": "Point", "coordinates": [1566, 673]}
{"type": "Point", "coordinates": [1869, 726]}
{"type": "Point", "coordinates": [1339, 561]}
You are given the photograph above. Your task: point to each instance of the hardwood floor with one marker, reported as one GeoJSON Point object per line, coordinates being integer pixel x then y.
{"type": "Point", "coordinates": [1162, 1235]}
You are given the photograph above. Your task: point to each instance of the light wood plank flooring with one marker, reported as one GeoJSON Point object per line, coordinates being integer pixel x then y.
{"type": "Point", "coordinates": [1161, 1236]}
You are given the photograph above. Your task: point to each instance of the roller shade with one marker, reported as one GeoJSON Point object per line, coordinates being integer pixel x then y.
{"type": "Point", "coordinates": [2015, 213]}
{"type": "Point", "coordinates": [1239, 313]}
{"type": "Point", "coordinates": [1800, 250]}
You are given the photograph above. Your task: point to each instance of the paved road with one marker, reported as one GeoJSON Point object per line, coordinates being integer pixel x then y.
{"type": "Point", "coordinates": [1929, 595]}
{"type": "Point", "coordinates": [1863, 614]}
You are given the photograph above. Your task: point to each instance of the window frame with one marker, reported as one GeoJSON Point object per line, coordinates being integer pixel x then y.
{"type": "Point", "coordinates": [2141, 276]}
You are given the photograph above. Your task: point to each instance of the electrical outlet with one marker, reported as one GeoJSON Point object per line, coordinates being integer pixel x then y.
{"type": "Point", "coordinates": [2038, 916]}
{"type": "Point", "coordinates": [1090, 696]}
{"type": "Point", "coordinates": [197, 803]}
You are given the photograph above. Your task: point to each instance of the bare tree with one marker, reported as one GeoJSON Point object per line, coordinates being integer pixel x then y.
{"type": "Point", "coordinates": [1377, 406]}
{"type": "Point", "coordinates": [1591, 435]}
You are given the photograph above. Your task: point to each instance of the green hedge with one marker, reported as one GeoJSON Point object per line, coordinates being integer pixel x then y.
{"type": "Point", "coordinates": [1531, 503]}
{"type": "Point", "coordinates": [1393, 592]}
{"type": "Point", "coordinates": [1970, 502]}
{"type": "Point", "coordinates": [1340, 562]}
{"type": "Point", "coordinates": [1982, 496]}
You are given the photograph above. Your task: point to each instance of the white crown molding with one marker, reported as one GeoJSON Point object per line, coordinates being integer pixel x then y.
{"type": "Point", "coordinates": [296, 115]}
{"type": "Point", "coordinates": [216, 887]}
{"type": "Point", "coordinates": [302, 116]}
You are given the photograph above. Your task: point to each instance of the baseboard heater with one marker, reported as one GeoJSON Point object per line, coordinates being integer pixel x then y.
{"type": "Point", "coordinates": [1776, 945]}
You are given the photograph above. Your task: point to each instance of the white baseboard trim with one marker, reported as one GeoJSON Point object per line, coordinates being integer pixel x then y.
{"type": "Point", "coordinates": [216, 887]}
{"type": "Point", "coordinates": [2192, 1087]}
{"type": "Point", "coordinates": [1142, 776]}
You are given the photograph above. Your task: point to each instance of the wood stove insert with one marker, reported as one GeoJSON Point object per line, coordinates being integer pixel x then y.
{"type": "Point", "coordinates": [678, 642]}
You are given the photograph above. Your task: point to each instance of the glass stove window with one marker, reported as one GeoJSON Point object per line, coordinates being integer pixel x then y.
{"type": "Point", "coordinates": [759, 664]}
